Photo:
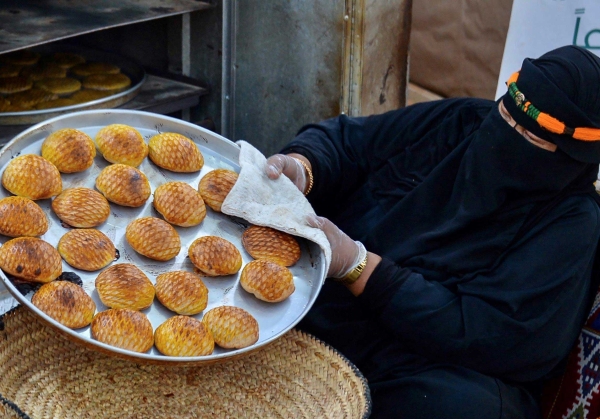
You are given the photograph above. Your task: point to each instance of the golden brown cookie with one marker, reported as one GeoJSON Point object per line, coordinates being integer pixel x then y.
{"type": "Point", "coordinates": [124, 185]}
{"type": "Point", "coordinates": [20, 57]}
{"type": "Point", "coordinates": [215, 185]}
{"type": "Point", "coordinates": [183, 336]}
{"type": "Point", "coordinates": [66, 59]}
{"type": "Point", "coordinates": [179, 204]}
{"type": "Point", "coordinates": [120, 143]}
{"type": "Point", "coordinates": [21, 217]}
{"type": "Point", "coordinates": [10, 70]}
{"type": "Point", "coordinates": [87, 69]}
{"type": "Point", "coordinates": [215, 256]}
{"type": "Point", "coordinates": [110, 82]}
{"type": "Point", "coordinates": [267, 280]}
{"type": "Point", "coordinates": [231, 327]}
{"type": "Point", "coordinates": [81, 207]}
{"type": "Point", "coordinates": [32, 177]}
{"type": "Point", "coordinates": [65, 302]}
{"type": "Point", "coordinates": [61, 102]}
{"type": "Point", "coordinates": [175, 152]}
{"type": "Point", "coordinates": [17, 84]}
{"type": "Point", "coordinates": [270, 244]}
{"type": "Point", "coordinates": [69, 149]}
{"type": "Point", "coordinates": [30, 98]}
{"type": "Point", "coordinates": [125, 286]}
{"type": "Point", "coordinates": [59, 86]}
{"type": "Point", "coordinates": [43, 71]}
{"type": "Point", "coordinates": [31, 259]}
{"type": "Point", "coordinates": [182, 292]}
{"type": "Point", "coordinates": [123, 328]}
{"type": "Point", "coordinates": [87, 249]}
{"type": "Point", "coordinates": [86, 95]}
{"type": "Point", "coordinates": [153, 238]}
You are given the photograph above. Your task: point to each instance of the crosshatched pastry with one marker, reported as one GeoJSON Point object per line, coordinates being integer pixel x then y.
{"type": "Point", "coordinates": [215, 185]}
{"type": "Point", "coordinates": [59, 85]}
{"type": "Point", "coordinates": [124, 185]}
{"type": "Point", "coordinates": [43, 71]}
{"type": "Point", "coordinates": [30, 98]}
{"type": "Point", "coordinates": [124, 285]}
{"type": "Point", "coordinates": [69, 149]}
{"type": "Point", "coordinates": [231, 327]}
{"type": "Point", "coordinates": [32, 177]}
{"type": "Point", "coordinates": [183, 336]}
{"type": "Point", "coordinates": [123, 328]}
{"type": "Point", "coordinates": [65, 302]}
{"type": "Point", "coordinates": [270, 244]}
{"type": "Point", "coordinates": [81, 207]}
{"type": "Point", "coordinates": [215, 256]}
{"type": "Point", "coordinates": [119, 143]}
{"type": "Point", "coordinates": [182, 292]}
{"type": "Point", "coordinates": [95, 67]}
{"type": "Point", "coordinates": [55, 103]}
{"type": "Point", "coordinates": [175, 152]}
{"type": "Point", "coordinates": [179, 204]}
{"type": "Point", "coordinates": [21, 217]}
{"type": "Point", "coordinates": [15, 84]}
{"type": "Point", "coordinates": [31, 259]}
{"type": "Point", "coordinates": [153, 238]}
{"type": "Point", "coordinates": [267, 280]}
{"type": "Point", "coordinates": [87, 249]}
{"type": "Point", "coordinates": [106, 81]}
{"type": "Point", "coordinates": [21, 57]}
{"type": "Point", "coordinates": [86, 95]}
{"type": "Point", "coordinates": [10, 70]}
{"type": "Point", "coordinates": [66, 59]}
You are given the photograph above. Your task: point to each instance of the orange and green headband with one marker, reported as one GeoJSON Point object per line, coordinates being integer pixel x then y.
{"type": "Point", "coordinates": [546, 121]}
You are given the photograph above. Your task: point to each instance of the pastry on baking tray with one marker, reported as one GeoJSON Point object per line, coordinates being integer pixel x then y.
{"type": "Point", "coordinates": [106, 81]}
{"type": "Point", "coordinates": [123, 328]}
{"type": "Point", "coordinates": [179, 204]}
{"type": "Point", "coordinates": [87, 249]}
{"type": "Point", "coordinates": [81, 207]}
{"type": "Point", "coordinates": [270, 244]}
{"type": "Point", "coordinates": [124, 185]}
{"type": "Point", "coordinates": [21, 217]}
{"type": "Point", "coordinates": [28, 99]}
{"type": "Point", "coordinates": [59, 85]}
{"type": "Point", "coordinates": [86, 95]}
{"type": "Point", "coordinates": [55, 103]}
{"type": "Point", "coordinates": [267, 280]}
{"type": "Point", "coordinates": [10, 70]}
{"type": "Point", "coordinates": [17, 84]}
{"type": "Point", "coordinates": [215, 256]}
{"type": "Point", "coordinates": [20, 57]}
{"type": "Point", "coordinates": [31, 259]}
{"type": "Point", "coordinates": [32, 177]}
{"type": "Point", "coordinates": [175, 152]}
{"type": "Point", "coordinates": [183, 336]}
{"type": "Point", "coordinates": [153, 238]}
{"type": "Point", "coordinates": [124, 285]}
{"type": "Point", "coordinates": [215, 185]}
{"type": "Point", "coordinates": [231, 327]}
{"type": "Point", "coordinates": [120, 143]}
{"type": "Point", "coordinates": [43, 71]}
{"type": "Point", "coordinates": [65, 302]}
{"type": "Point", "coordinates": [69, 149]}
{"type": "Point", "coordinates": [87, 69]}
{"type": "Point", "coordinates": [66, 59]}
{"type": "Point", "coordinates": [182, 292]}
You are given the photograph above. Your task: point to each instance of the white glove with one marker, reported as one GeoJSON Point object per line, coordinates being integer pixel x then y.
{"type": "Point", "coordinates": [290, 167]}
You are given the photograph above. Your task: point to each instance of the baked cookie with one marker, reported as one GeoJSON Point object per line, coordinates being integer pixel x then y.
{"type": "Point", "coordinates": [43, 71]}
{"type": "Point", "coordinates": [65, 302]}
{"type": "Point", "coordinates": [87, 249]}
{"type": "Point", "coordinates": [21, 217]}
{"type": "Point", "coordinates": [61, 102]}
{"type": "Point", "coordinates": [182, 292]}
{"type": "Point", "coordinates": [231, 327]}
{"type": "Point", "coordinates": [119, 143]}
{"type": "Point", "coordinates": [29, 99]}
{"type": "Point", "coordinates": [111, 82]}
{"type": "Point", "coordinates": [123, 328]}
{"type": "Point", "coordinates": [31, 259]}
{"type": "Point", "coordinates": [20, 57]}
{"type": "Point", "coordinates": [124, 285]}
{"type": "Point", "coordinates": [10, 70]}
{"type": "Point", "coordinates": [267, 280]}
{"type": "Point", "coordinates": [183, 336]}
{"type": "Point", "coordinates": [175, 152]}
{"type": "Point", "coordinates": [32, 177]}
{"type": "Point", "coordinates": [66, 59]}
{"type": "Point", "coordinates": [179, 204]}
{"type": "Point", "coordinates": [87, 69]}
{"type": "Point", "coordinates": [17, 84]}
{"type": "Point", "coordinates": [86, 95]}
{"type": "Point", "coordinates": [69, 149]}
{"type": "Point", "coordinates": [81, 207]}
{"type": "Point", "coordinates": [153, 238]}
{"type": "Point", "coordinates": [124, 185]}
{"type": "Point", "coordinates": [59, 86]}
{"type": "Point", "coordinates": [270, 244]}
{"type": "Point", "coordinates": [215, 256]}
{"type": "Point", "coordinates": [215, 186]}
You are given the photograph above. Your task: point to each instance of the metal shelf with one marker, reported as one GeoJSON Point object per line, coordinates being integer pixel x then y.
{"type": "Point", "coordinates": [27, 23]}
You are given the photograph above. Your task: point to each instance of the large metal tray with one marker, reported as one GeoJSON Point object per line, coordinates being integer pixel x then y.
{"type": "Point", "coordinates": [273, 319]}
{"type": "Point", "coordinates": [128, 67]}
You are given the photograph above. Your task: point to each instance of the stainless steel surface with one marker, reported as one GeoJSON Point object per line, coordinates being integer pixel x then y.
{"type": "Point", "coordinates": [131, 69]}
{"type": "Point", "coordinates": [25, 23]}
{"type": "Point", "coordinates": [273, 319]}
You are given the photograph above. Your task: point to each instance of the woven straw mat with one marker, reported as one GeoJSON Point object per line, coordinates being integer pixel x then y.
{"type": "Point", "coordinates": [45, 375]}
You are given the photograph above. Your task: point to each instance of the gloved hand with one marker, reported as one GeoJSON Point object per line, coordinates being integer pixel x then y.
{"type": "Point", "coordinates": [290, 167]}
{"type": "Point", "coordinates": [346, 253]}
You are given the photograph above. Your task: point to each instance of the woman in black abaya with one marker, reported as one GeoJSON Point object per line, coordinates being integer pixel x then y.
{"type": "Point", "coordinates": [463, 234]}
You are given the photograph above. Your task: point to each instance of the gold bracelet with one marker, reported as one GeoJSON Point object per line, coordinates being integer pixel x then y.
{"type": "Point", "coordinates": [354, 274]}
{"type": "Point", "coordinates": [310, 175]}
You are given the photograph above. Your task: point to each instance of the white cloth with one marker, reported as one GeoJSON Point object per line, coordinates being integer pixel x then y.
{"type": "Point", "coordinates": [271, 203]}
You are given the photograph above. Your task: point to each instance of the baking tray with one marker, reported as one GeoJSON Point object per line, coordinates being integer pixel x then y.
{"type": "Point", "coordinates": [274, 319]}
{"type": "Point", "coordinates": [128, 67]}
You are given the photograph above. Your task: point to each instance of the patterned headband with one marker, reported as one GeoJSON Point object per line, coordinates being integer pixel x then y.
{"type": "Point", "coordinates": [546, 121]}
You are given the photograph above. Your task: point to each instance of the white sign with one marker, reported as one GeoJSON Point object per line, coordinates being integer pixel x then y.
{"type": "Point", "coordinates": [538, 26]}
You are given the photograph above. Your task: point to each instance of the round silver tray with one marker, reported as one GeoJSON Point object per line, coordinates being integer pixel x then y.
{"type": "Point", "coordinates": [132, 70]}
{"type": "Point", "coordinates": [273, 319]}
